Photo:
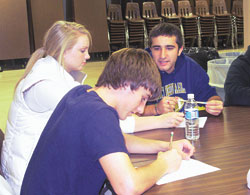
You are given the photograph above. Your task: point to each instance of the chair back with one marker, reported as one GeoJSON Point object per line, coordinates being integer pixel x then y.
{"type": "Point", "coordinates": [167, 8]}
{"type": "Point", "coordinates": [201, 8]}
{"type": "Point", "coordinates": [115, 12]}
{"type": "Point", "coordinates": [132, 11]}
{"type": "Point", "coordinates": [149, 10]}
{"type": "Point", "coordinates": [184, 8]}
{"type": "Point", "coordinates": [219, 7]}
{"type": "Point", "coordinates": [237, 8]}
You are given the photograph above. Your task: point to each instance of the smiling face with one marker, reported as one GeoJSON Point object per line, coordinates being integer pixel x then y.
{"type": "Point", "coordinates": [76, 57]}
{"type": "Point", "coordinates": [165, 51]}
{"type": "Point", "coordinates": [132, 101]}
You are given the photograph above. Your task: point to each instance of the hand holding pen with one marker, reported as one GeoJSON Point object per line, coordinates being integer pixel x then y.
{"type": "Point", "coordinates": [184, 147]}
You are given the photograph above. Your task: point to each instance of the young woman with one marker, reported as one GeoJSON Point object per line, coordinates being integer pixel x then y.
{"type": "Point", "coordinates": [51, 72]}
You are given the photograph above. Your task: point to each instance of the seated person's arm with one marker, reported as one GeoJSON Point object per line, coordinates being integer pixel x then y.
{"type": "Point", "coordinates": [136, 144]}
{"type": "Point", "coordinates": [214, 105]}
{"type": "Point", "coordinates": [125, 179]}
{"type": "Point", "coordinates": [142, 123]}
{"type": "Point", "coordinates": [168, 120]}
{"type": "Point", "coordinates": [44, 95]}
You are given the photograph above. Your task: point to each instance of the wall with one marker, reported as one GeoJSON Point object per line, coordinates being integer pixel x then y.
{"type": "Point", "coordinates": [43, 14]}
{"type": "Point", "coordinates": [14, 32]}
{"type": "Point", "coordinates": [92, 14]}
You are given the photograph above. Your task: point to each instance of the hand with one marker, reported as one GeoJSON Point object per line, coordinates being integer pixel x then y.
{"type": "Point", "coordinates": [184, 147]}
{"type": "Point", "coordinates": [172, 158]}
{"type": "Point", "coordinates": [169, 120]}
{"type": "Point", "coordinates": [214, 107]}
{"type": "Point", "coordinates": [167, 104]}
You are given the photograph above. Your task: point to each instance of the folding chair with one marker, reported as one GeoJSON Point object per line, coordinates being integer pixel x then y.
{"type": "Point", "coordinates": [190, 24]}
{"type": "Point", "coordinates": [136, 26]}
{"type": "Point", "coordinates": [150, 15]}
{"type": "Point", "coordinates": [117, 28]}
{"type": "Point", "coordinates": [207, 23]}
{"type": "Point", "coordinates": [224, 22]}
{"type": "Point", "coordinates": [169, 15]}
{"type": "Point", "coordinates": [237, 14]}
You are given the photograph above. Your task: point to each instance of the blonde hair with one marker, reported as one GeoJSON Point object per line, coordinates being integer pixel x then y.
{"type": "Point", "coordinates": [61, 36]}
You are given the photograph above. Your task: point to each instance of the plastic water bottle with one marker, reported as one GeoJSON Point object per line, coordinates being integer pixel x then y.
{"type": "Point", "coordinates": [192, 131]}
{"type": "Point", "coordinates": [248, 179]}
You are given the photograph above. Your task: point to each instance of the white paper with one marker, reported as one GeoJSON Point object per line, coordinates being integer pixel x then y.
{"type": "Point", "coordinates": [202, 121]}
{"type": "Point", "coordinates": [188, 168]}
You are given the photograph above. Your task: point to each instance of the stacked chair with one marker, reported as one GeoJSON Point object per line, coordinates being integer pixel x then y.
{"type": "Point", "coordinates": [137, 33]}
{"type": "Point", "coordinates": [237, 14]}
{"type": "Point", "coordinates": [190, 24]}
{"type": "Point", "coordinates": [224, 23]}
{"type": "Point", "coordinates": [168, 14]}
{"type": "Point", "coordinates": [207, 24]}
{"type": "Point", "coordinates": [150, 15]}
{"type": "Point", "coordinates": [117, 28]}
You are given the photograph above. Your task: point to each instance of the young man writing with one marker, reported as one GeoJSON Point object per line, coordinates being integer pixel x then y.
{"type": "Point", "coordinates": [180, 74]}
{"type": "Point", "coordinates": [82, 143]}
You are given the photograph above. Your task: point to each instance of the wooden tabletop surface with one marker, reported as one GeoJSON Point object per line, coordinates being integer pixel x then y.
{"type": "Point", "coordinates": [224, 143]}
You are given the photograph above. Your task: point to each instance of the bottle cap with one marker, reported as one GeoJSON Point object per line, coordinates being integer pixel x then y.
{"type": "Point", "coordinates": [190, 96]}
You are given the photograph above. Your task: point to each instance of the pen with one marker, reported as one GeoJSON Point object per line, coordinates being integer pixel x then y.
{"type": "Point", "coordinates": [198, 102]}
{"type": "Point", "coordinates": [171, 140]}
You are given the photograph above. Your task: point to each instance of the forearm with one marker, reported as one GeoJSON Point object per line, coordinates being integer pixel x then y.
{"type": "Point", "coordinates": [148, 175]}
{"type": "Point", "coordinates": [147, 146]}
{"type": "Point", "coordinates": [149, 122]}
{"type": "Point", "coordinates": [126, 179]}
{"type": "Point", "coordinates": [150, 110]}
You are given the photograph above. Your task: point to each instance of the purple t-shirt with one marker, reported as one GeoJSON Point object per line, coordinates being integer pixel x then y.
{"type": "Point", "coordinates": [81, 130]}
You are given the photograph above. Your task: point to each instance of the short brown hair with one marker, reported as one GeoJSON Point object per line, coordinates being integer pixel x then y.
{"type": "Point", "coordinates": [134, 67]}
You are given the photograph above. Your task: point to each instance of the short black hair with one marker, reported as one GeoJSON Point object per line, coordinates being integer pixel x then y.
{"type": "Point", "coordinates": [166, 29]}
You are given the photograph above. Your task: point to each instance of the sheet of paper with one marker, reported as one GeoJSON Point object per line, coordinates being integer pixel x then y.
{"type": "Point", "coordinates": [202, 121]}
{"type": "Point", "coordinates": [189, 168]}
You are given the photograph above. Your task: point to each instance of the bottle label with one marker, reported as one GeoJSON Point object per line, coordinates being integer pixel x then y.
{"type": "Point", "coordinates": [193, 114]}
